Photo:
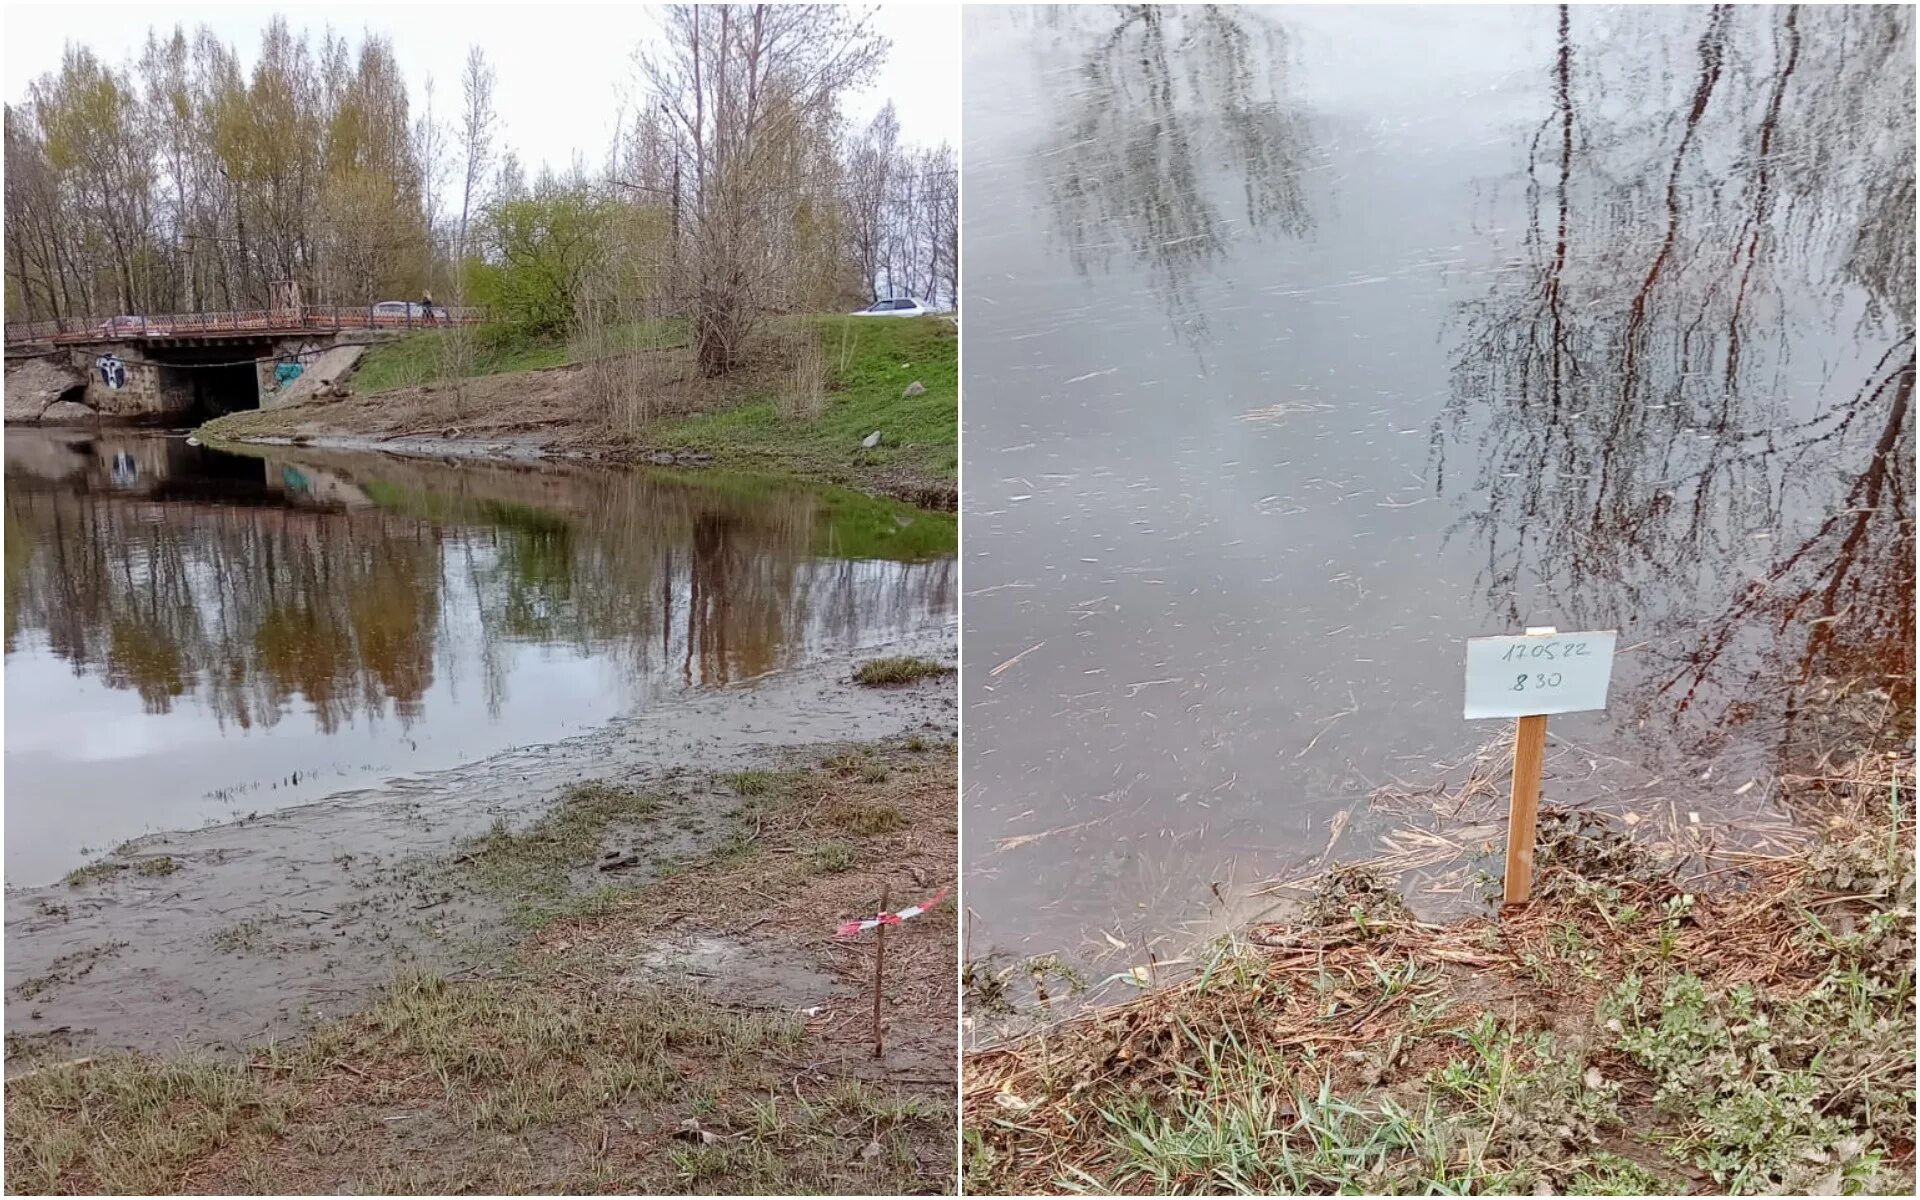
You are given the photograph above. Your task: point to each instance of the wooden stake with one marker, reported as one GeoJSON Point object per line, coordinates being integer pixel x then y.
{"type": "Point", "coordinates": [1523, 810]}
{"type": "Point", "coordinates": [1523, 813]}
{"type": "Point", "coordinates": [880, 975]}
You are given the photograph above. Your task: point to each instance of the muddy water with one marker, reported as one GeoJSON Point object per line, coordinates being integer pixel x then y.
{"type": "Point", "coordinates": [1304, 344]}
{"type": "Point", "coordinates": [196, 637]}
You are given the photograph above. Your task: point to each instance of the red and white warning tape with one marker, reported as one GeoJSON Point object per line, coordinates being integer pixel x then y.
{"type": "Point", "coordinates": [849, 928]}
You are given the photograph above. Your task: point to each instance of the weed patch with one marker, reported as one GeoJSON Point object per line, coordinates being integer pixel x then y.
{"type": "Point", "coordinates": [831, 857]}
{"type": "Point", "coordinates": [866, 817]}
{"type": "Point", "coordinates": [534, 868]}
{"type": "Point", "coordinates": [753, 783]}
{"type": "Point", "coordinates": [94, 873]}
{"type": "Point", "coordinates": [1619, 1036]}
{"type": "Point", "coordinates": [894, 672]}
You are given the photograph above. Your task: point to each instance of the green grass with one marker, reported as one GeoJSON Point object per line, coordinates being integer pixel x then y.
{"type": "Point", "coordinates": [895, 671]}
{"type": "Point", "coordinates": [492, 1059]}
{"type": "Point", "coordinates": [866, 819]}
{"type": "Point", "coordinates": [1770, 1093]}
{"type": "Point", "coordinates": [753, 783]}
{"type": "Point", "coordinates": [872, 361]}
{"type": "Point", "coordinates": [869, 364]}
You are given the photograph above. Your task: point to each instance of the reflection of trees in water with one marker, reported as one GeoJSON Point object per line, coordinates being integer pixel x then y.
{"type": "Point", "coordinates": [1638, 379]}
{"type": "Point", "coordinates": [1165, 99]}
{"type": "Point", "coordinates": [251, 606]}
{"type": "Point", "coordinates": [358, 610]}
{"type": "Point", "coordinates": [688, 582]}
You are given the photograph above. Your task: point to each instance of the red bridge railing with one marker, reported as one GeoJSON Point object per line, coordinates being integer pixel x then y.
{"type": "Point", "coordinates": [312, 318]}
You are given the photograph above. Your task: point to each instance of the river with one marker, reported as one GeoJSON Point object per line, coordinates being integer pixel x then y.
{"type": "Point", "coordinates": [196, 637]}
{"type": "Point", "coordinates": [1303, 344]}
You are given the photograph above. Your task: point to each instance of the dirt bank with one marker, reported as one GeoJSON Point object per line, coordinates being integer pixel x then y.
{"type": "Point", "coordinates": [1644, 1027]}
{"type": "Point", "coordinates": [607, 964]}
{"type": "Point", "coordinates": [671, 418]}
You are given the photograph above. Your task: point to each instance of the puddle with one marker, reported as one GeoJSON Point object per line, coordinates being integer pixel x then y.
{"type": "Point", "coordinates": [756, 976]}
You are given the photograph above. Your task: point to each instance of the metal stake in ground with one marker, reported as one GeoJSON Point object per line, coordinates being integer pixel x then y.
{"type": "Point", "coordinates": [1529, 678]}
{"type": "Point", "coordinates": [880, 976]}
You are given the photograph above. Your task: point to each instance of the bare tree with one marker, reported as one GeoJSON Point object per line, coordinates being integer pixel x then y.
{"type": "Point", "coordinates": [943, 203]}
{"type": "Point", "coordinates": [745, 89]}
{"type": "Point", "coordinates": [430, 150]}
{"type": "Point", "coordinates": [476, 137]}
{"type": "Point", "coordinates": [871, 168]}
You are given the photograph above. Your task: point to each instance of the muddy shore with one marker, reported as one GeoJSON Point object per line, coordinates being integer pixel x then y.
{"type": "Point", "coordinates": [223, 936]}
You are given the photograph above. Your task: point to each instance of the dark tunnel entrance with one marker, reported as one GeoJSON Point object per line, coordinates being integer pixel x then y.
{"type": "Point", "coordinates": [203, 381]}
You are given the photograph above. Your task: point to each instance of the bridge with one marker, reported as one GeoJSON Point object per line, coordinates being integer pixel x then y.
{"type": "Point", "coordinates": [248, 323]}
{"type": "Point", "coordinates": [172, 366]}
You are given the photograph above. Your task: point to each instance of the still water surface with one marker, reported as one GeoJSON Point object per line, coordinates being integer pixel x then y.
{"type": "Point", "coordinates": [1304, 344]}
{"type": "Point", "coordinates": [193, 636]}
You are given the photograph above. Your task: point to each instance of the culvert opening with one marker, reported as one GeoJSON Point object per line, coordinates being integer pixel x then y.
{"type": "Point", "coordinates": [210, 389]}
{"type": "Point", "coordinates": [204, 382]}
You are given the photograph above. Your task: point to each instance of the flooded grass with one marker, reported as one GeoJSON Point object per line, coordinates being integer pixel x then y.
{"type": "Point", "coordinates": [532, 868]}
{"type": "Point", "coordinates": [897, 671]}
{"type": "Point", "coordinates": [571, 1064]}
{"type": "Point", "coordinates": [65, 969]}
{"type": "Point", "coordinates": [753, 783]}
{"type": "Point", "coordinates": [94, 872]}
{"type": "Point", "coordinates": [241, 937]}
{"type": "Point", "coordinates": [1624, 1034]}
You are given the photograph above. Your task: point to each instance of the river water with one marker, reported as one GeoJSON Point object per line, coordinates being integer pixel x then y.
{"type": "Point", "coordinates": [194, 637]}
{"type": "Point", "coordinates": [1303, 344]}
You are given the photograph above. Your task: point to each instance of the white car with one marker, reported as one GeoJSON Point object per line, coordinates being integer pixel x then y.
{"type": "Point", "coordinates": [893, 308]}
{"type": "Point", "coordinates": [115, 326]}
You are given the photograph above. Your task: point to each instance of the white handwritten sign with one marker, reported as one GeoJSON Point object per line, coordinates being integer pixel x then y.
{"type": "Point", "coordinates": [1538, 674]}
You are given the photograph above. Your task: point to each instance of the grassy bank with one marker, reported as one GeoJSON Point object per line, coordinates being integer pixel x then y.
{"type": "Point", "coordinates": [587, 1057]}
{"type": "Point", "coordinates": [484, 350]}
{"type": "Point", "coordinates": [523, 393]}
{"type": "Point", "coordinates": [1752, 1031]}
{"type": "Point", "coordinates": [872, 362]}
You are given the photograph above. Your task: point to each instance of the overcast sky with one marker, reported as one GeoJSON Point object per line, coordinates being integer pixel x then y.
{"type": "Point", "coordinates": [563, 68]}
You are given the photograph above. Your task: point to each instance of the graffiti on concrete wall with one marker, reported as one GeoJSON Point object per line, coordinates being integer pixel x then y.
{"type": "Point", "coordinates": [113, 372]}
{"type": "Point", "coordinates": [287, 372]}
